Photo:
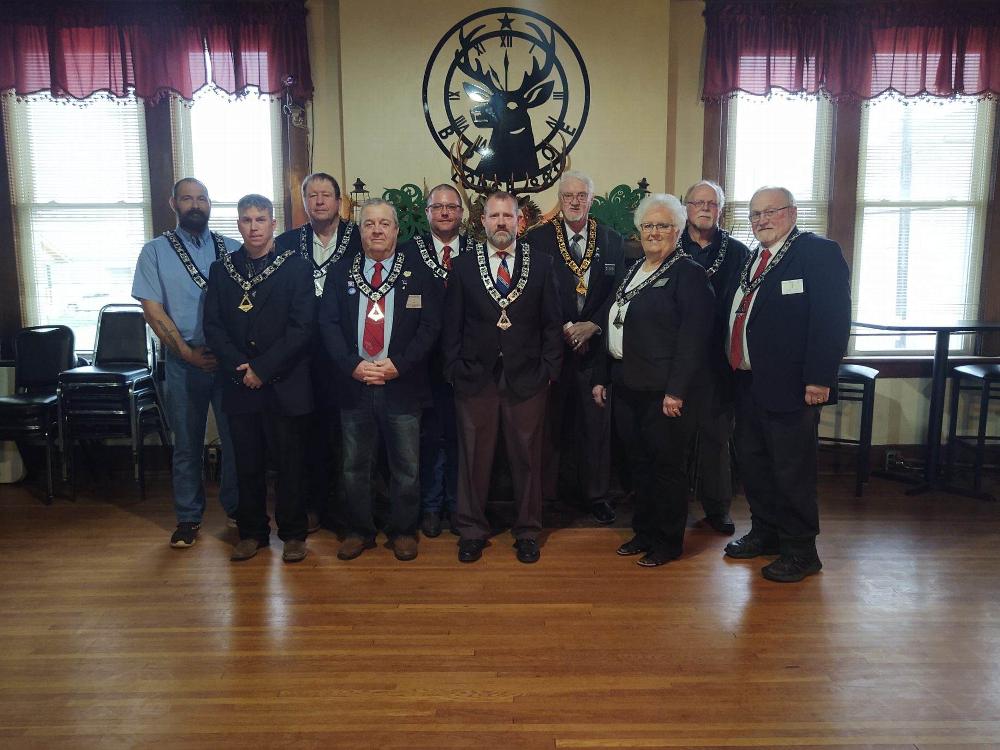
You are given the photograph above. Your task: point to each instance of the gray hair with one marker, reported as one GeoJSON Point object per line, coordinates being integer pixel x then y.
{"type": "Point", "coordinates": [253, 200]}
{"type": "Point", "coordinates": [372, 202]}
{"type": "Point", "coordinates": [660, 200]}
{"type": "Point", "coordinates": [574, 174]}
{"type": "Point", "coordinates": [784, 191]}
{"type": "Point", "coordinates": [720, 195]}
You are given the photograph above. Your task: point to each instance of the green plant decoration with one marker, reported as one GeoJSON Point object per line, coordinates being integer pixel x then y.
{"type": "Point", "coordinates": [616, 209]}
{"type": "Point", "coordinates": [410, 204]}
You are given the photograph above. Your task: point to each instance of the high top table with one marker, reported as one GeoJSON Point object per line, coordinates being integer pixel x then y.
{"type": "Point", "coordinates": [939, 378]}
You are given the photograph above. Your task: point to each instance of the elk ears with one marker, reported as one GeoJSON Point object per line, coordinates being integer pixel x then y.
{"type": "Point", "coordinates": [476, 93]}
{"type": "Point", "coordinates": [539, 95]}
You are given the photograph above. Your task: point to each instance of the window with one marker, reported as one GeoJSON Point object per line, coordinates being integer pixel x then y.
{"type": "Point", "coordinates": [923, 183]}
{"type": "Point", "coordinates": [777, 141]}
{"type": "Point", "coordinates": [233, 145]}
{"type": "Point", "coordinates": [80, 190]}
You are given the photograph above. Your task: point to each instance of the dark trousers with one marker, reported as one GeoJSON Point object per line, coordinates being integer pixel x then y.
{"type": "Point", "coordinates": [777, 457]}
{"type": "Point", "coordinates": [577, 445]}
{"type": "Point", "coordinates": [657, 446]}
{"type": "Point", "coordinates": [713, 466]}
{"type": "Point", "coordinates": [253, 434]}
{"type": "Point", "coordinates": [365, 424]}
{"type": "Point", "coordinates": [323, 463]}
{"type": "Point", "coordinates": [439, 452]}
{"type": "Point", "coordinates": [479, 419]}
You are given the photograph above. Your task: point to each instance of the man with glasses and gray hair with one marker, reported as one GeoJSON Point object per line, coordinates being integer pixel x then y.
{"type": "Point", "coordinates": [722, 257]}
{"type": "Point", "coordinates": [789, 321]}
{"type": "Point", "coordinates": [586, 255]}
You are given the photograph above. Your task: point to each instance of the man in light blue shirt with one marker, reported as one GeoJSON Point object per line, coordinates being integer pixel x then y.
{"type": "Point", "coordinates": [170, 279]}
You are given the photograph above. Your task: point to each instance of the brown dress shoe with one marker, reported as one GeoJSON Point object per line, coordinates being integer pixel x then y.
{"type": "Point", "coordinates": [354, 546]}
{"type": "Point", "coordinates": [405, 547]}
{"type": "Point", "coordinates": [245, 549]}
{"type": "Point", "coordinates": [295, 550]}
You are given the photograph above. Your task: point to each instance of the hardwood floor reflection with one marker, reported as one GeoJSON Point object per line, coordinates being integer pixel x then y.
{"type": "Point", "coordinates": [109, 638]}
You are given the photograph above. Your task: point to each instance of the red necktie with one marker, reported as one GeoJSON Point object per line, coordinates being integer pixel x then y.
{"type": "Point", "coordinates": [736, 343]}
{"type": "Point", "coordinates": [503, 274]}
{"type": "Point", "coordinates": [374, 339]}
{"type": "Point", "coordinates": [446, 257]}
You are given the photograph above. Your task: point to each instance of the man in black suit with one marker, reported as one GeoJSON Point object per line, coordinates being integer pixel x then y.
{"type": "Point", "coordinates": [789, 321]}
{"type": "Point", "coordinates": [259, 319]}
{"type": "Point", "coordinates": [379, 322]}
{"type": "Point", "coordinates": [438, 439]}
{"type": "Point", "coordinates": [586, 256]}
{"type": "Point", "coordinates": [722, 257]}
{"type": "Point", "coordinates": [502, 347]}
{"type": "Point", "coordinates": [322, 241]}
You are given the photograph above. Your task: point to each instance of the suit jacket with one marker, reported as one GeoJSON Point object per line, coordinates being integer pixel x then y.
{"type": "Point", "coordinates": [301, 240]}
{"type": "Point", "coordinates": [798, 338]}
{"type": "Point", "coordinates": [274, 336]}
{"type": "Point", "coordinates": [607, 263]}
{"type": "Point", "coordinates": [414, 333]}
{"type": "Point", "coordinates": [529, 353]}
{"type": "Point", "coordinates": [665, 334]}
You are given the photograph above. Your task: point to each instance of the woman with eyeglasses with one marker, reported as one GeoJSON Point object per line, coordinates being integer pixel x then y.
{"type": "Point", "coordinates": [658, 322]}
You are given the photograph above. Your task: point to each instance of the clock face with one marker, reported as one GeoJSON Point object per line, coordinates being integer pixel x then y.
{"type": "Point", "coordinates": [507, 93]}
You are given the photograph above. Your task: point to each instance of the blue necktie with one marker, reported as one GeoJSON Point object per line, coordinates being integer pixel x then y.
{"type": "Point", "coordinates": [503, 275]}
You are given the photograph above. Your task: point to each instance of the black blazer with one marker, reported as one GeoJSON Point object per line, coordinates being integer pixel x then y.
{"type": "Point", "coordinates": [324, 387]}
{"type": "Point", "coordinates": [274, 337]}
{"type": "Point", "coordinates": [665, 334]}
{"type": "Point", "coordinates": [414, 332]}
{"type": "Point", "coordinates": [607, 264]}
{"type": "Point", "coordinates": [475, 350]}
{"type": "Point", "coordinates": [797, 338]}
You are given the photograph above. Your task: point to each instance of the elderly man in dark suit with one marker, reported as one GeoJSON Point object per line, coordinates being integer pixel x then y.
{"type": "Point", "coordinates": [380, 318]}
{"type": "Point", "coordinates": [259, 319]}
{"type": "Point", "coordinates": [438, 439]}
{"type": "Point", "coordinates": [502, 348]}
{"type": "Point", "coordinates": [789, 321]}
{"type": "Point", "coordinates": [587, 256]}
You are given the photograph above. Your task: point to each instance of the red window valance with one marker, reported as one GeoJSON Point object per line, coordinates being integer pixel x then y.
{"type": "Point", "coordinates": [75, 48]}
{"type": "Point", "coordinates": [852, 49]}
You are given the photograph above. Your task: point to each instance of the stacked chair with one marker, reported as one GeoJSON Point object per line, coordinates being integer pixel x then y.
{"type": "Point", "coordinates": [41, 353]}
{"type": "Point", "coordinates": [116, 396]}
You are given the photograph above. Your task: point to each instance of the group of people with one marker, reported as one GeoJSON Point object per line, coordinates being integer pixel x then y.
{"type": "Point", "coordinates": [323, 347]}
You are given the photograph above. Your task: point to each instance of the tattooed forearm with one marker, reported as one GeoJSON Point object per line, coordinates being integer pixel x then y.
{"type": "Point", "coordinates": [169, 335]}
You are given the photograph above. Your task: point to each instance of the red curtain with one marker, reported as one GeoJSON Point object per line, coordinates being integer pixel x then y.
{"type": "Point", "coordinates": [75, 48]}
{"type": "Point", "coordinates": [852, 49]}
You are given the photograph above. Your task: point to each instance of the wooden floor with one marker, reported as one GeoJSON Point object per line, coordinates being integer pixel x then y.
{"type": "Point", "coordinates": [109, 638]}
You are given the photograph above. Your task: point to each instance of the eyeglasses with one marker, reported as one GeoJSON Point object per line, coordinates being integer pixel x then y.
{"type": "Point", "coordinates": [768, 213]}
{"type": "Point", "coordinates": [569, 197]}
{"type": "Point", "coordinates": [439, 207]}
{"type": "Point", "coordinates": [704, 204]}
{"type": "Point", "coordinates": [658, 227]}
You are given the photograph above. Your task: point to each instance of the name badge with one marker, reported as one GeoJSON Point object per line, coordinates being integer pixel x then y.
{"type": "Point", "coordinates": [414, 302]}
{"type": "Point", "coordinates": [661, 282]}
{"type": "Point", "coordinates": [792, 286]}
{"type": "Point", "coordinates": [609, 269]}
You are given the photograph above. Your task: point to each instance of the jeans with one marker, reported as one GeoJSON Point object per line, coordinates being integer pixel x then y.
{"type": "Point", "coordinates": [189, 391]}
{"type": "Point", "coordinates": [439, 452]}
{"type": "Point", "coordinates": [362, 425]}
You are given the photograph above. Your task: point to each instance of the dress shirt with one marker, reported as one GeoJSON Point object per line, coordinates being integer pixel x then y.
{"type": "Point", "coordinates": [439, 248]}
{"type": "Point", "coordinates": [494, 259]}
{"type": "Point", "coordinates": [321, 254]}
{"type": "Point", "coordinates": [738, 298]}
{"type": "Point", "coordinates": [615, 334]}
{"type": "Point", "coordinates": [368, 270]}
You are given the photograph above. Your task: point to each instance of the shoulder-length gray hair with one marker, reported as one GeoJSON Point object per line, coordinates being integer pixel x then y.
{"type": "Point", "coordinates": [660, 200]}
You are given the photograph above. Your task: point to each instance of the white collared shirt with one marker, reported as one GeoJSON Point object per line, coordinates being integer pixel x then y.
{"type": "Point", "coordinates": [615, 334]}
{"type": "Point", "coordinates": [738, 298]}
{"type": "Point", "coordinates": [494, 259]}
{"type": "Point", "coordinates": [321, 254]}
{"type": "Point", "coordinates": [570, 233]}
{"type": "Point", "coordinates": [439, 248]}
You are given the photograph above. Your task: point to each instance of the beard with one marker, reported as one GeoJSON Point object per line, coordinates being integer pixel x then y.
{"type": "Point", "coordinates": [194, 221]}
{"type": "Point", "coordinates": [500, 239]}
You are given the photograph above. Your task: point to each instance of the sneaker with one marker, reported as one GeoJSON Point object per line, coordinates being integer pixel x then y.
{"type": "Point", "coordinates": [245, 549]}
{"type": "Point", "coordinates": [295, 551]}
{"type": "Point", "coordinates": [185, 535]}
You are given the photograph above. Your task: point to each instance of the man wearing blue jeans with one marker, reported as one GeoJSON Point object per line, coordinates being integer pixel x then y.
{"type": "Point", "coordinates": [170, 280]}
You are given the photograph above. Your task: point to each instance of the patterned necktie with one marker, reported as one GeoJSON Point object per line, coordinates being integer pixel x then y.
{"type": "Point", "coordinates": [736, 342]}
{"type": "Point", "coordinates": [575, 248]}
{"type": "Point", "coordinates": [374, 339]}
{"type": "Point", "coordinates": [446, 257]}
{"type": "Point", "coordinates": [503, 274]}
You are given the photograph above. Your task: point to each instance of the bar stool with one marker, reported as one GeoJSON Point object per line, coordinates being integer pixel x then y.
{"type": "Point", "coordinates": [985, 377]}
{"type": "Point", "coordinates": [857, 383]}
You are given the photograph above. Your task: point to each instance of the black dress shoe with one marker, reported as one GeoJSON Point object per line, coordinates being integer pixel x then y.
{"type": "Point", "coordinates": [602, 512]}
{"type": "Point", "coordinates": [527, 550]}
{"type": "Point", "coordinates": [634, 546]}
{"type": "Point", "coordinates": [721, 522]}
{"type": "Point", "coordinates": [751, 545]}
{"type": "Point", "coordinates": [791, 568]}
{"type": "Point", "coordinates": [470, 550]}
{"type": "Point", "coordinates": [430, 524]}
{"type": "Point", "coordinates": [655, 559]}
